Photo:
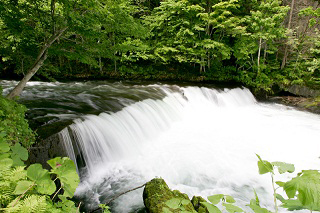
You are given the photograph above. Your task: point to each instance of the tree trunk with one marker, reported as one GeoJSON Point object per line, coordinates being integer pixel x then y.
{"type": "Point", "coordinates": [284, 60]}
{"type": "Point", "coordinates": [259, 54]}
{"type": "Point", "coordinates": [42, 56]}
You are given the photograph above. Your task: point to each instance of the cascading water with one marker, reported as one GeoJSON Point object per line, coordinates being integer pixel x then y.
{"type": "Point", "coordinates": [201, 141]}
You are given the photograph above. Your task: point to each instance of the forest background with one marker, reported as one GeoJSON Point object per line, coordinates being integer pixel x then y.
{"type": "Point", "coordinates": [264, 45]}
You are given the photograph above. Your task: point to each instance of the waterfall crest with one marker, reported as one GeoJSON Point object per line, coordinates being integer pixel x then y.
{"type": "Point", "coordinates": [202, 141]}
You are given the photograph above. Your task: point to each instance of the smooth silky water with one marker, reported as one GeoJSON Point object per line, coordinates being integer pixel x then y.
{"type": "Point", "coordinates": [201, 140]}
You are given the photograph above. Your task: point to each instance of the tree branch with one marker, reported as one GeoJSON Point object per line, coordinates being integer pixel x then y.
{"type": "Point", "coordinates": [107, 203]}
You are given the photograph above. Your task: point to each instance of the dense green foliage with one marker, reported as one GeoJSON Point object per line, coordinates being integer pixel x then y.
{"type": "Point", "coordinates": [12, 122]}
{"type": "Point", "coordinates": [32, 188]}
{"type": "Point", "coordinates": [223, 40]}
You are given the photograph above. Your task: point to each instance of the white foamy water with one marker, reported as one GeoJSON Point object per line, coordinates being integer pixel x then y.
{"type": "Point", "coordinates": [200, 140]}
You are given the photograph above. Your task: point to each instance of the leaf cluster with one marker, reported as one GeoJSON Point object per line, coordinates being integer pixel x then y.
{"type": "Point", "coordinates": [32, 188]}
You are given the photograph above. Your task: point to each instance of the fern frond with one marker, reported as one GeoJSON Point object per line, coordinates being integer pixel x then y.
{"type": "Point", "coordinates": [4, 170]}
{"type": "Point", "coordinates": [16, 174]}
{"type": "Point", "coordinates": [6, 189]}
{"type": "Point", "coordinates": [30, 204]}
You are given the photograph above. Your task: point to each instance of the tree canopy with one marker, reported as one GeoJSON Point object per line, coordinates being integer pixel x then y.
{"type": "Point", "coordinates": [230, 40]}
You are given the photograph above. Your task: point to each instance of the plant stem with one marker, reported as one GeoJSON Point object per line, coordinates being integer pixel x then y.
{"type": "Point", "coordinates": [56, 193]}
{"type": "Point", "coordinates": [274, 195]}
{"type": "Point", "coordinates": [22, 195]}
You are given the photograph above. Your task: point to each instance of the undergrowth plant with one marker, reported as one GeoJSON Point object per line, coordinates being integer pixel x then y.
{"type": "Point", "coordinates": [303, 193]}
{"type": "Point", "coordinates": [30, 189]}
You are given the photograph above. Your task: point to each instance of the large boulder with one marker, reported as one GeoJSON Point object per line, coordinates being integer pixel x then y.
{"type": "Point", "coordinates": [304, 91]}
{"type": "Point", "coordinates": [158, 198]}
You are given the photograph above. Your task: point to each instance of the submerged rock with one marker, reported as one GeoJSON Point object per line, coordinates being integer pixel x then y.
{"type": "Point", "coordinates": [158, 198]}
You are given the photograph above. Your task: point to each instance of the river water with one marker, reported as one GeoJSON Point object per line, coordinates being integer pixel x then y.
{"type": "Point", "coordinates": [201, 140]}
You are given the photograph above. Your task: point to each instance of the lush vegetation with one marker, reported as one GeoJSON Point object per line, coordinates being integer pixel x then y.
{"type": "Point", "coordinates": [30, 188]}
{"type": "Point", "coordinates": [257, 43]}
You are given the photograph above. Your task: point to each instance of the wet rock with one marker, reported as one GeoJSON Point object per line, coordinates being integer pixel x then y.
{"type": "Point", "coordinates": [158, 198]}
{"type": "Point", "coordinates": [46, 149]}
{"type": "Point", "coordinates": [304, 91]}
{"type": "Point", "coordinates": [300, 103]}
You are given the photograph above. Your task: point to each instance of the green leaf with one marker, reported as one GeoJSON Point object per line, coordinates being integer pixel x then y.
{"type": "Point", "coordinates": [66, 171]}
{"type": "Point", "coordinates": [17, 161]}
{"type": "Point", "coordinates": [280, 183]}
{"type": "Point", "coordinates": [232, 208]}
{"type": "Point", "coordinates": [46, 186]}
{"type": "Point", "coordinates": [21, 152]}
{"type": "Point", "coordinates": [173, 203]}
{"type": "Point", "coordinates": [22, 187]}
{"type": "Point", "coordinates": [5, 162]}
{"type": "Point", "coordinates": [258, 209]}
{"type": "Point", "coordinates": [284, 167]}
{"type": "Point", "coordinates": [292, 205]}
{"type": "Point", "coordinates": [36, 173]}
{"type": "Point", "coordinates": [42, 179]}
{"type": "Point", "coordinates": [279, 197]}
{"type": "Point", "coordinates": [4, 155]}
{"type": "Point", "coordinates": [264, 166]}
{"type": "Point", "coordinates": [68, 205]}
{"type": "Point", "coordinates": [211, 208]}
{"type": "Point", "coordinates": [4, 146]}
{"type": "Point", "coordinates": [185, 202]}
{"type": "Point", "coordinates": [166, 210]}
{"type": "Point", "coordinates": [229, 199]}
{"type": "Point", "coordinates": [307, 184]}
{"type": "Point", "coordinates": [215, 199]}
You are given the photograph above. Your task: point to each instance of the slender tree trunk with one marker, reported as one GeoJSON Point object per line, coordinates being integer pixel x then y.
{"type": "Point", "coordinates": [265, 52]}
{"type": "Point", "coordinates": [259, 54]}
{"type": "Point", "coordinates": [284, 60]}
{"type": "Point", "coordinates": [100, 64]}
{"type": "Point", "coordinates": [42, 56]}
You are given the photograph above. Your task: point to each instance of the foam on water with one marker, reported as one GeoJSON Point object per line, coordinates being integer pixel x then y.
{"type": "Point", "coordinates": [201, 141]}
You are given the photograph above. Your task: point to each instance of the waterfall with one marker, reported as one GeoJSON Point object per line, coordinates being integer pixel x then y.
{"type": "Point", "coordinates": [202, 141]}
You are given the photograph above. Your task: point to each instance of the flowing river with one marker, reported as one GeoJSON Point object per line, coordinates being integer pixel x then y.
{"type": "Point", "coordinates": [200, 139]}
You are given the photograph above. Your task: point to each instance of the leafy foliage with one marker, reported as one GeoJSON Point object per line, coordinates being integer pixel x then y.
{"type": "Point", "coordinates": [14, 128]}
{"type": "Point", "coordinates": [31, 189]}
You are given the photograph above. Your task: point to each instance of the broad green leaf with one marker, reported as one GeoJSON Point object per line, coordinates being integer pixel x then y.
{"type": "Point", "coordinates": [5, 162]}
{"type": "Point", "coordinates": [66, 171]}
{"type": "Point", "coordinates": [307, 184]}
{"type": "Point", "coordinates": [46, 186]}
{"type": "Point", "coordinates": [280, 183]}
{"type": "Point", "coordinates": [215, 199]}
{"type": "Point", "coordinates": [69, 206]}
{"type": "Point", "coordinates": [17, 161]}
{"type": "Point", "coordinates": [284, 167]}
{"type": "Point", "coordinates": [185, 202]}
{"type": "Point", "coordinates": [173, 203]}
{"type": "Point", "coordinates": [18, 150]}
{"type": "Point", "coordinates": [264, 166]}
{"type": "Point", "coordinates": [211, 208]}
{"type": "Point", "coordinates": [36, 173]}
{"type": "Point", "coordinates": [292, 205]}
{"type": "Point", "coordinates": [232, 208]}
{"type": "Point", "coordinates": [4, 155]}
{"type": "Point", "coordinates": [229, 199]}
{"type": "Point", "coordinates": [258, 209]}
{"type": "Point", "coordinates": [23, 186]}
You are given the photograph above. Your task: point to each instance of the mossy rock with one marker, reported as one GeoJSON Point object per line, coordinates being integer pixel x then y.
{"type": "Point", "coordinates": [197, 204]}
{"type": "Point", "coordinates": [158, 198]}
